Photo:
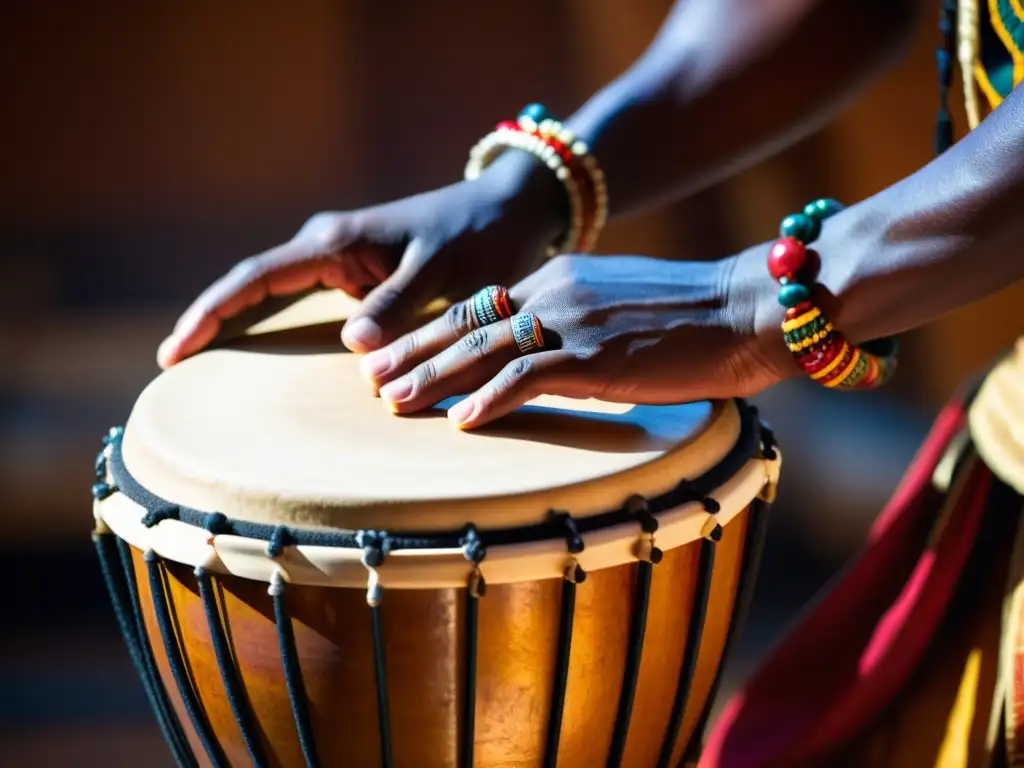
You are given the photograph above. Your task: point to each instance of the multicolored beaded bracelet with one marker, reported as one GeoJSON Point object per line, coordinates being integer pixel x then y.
{"type": "Point", "coordinates": [535, 118]}
{"type": "Point", "coordinates": [822, 351]}
{"type": "Point", "coordinates": [535, 132]}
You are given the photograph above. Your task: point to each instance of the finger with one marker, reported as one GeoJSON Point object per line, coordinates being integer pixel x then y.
{"type": "Point", "coordinates": [462, 367]}
{"type": "Point", "coordinates": [390, 309]}
{"type": "Point", "coordinates": [557, 372]}
{"type": "Point", "coordinates": [404, 353]}
{"type": "Point", "coordinates": [286, 270]}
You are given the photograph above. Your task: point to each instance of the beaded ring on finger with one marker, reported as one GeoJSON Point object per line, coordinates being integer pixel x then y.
{"type": "Point", "coordinates": [821, 350]}
{"type": "Point", "coordinates": [527, 331]}
{"type": "Point", "coordinates": [489, 305]}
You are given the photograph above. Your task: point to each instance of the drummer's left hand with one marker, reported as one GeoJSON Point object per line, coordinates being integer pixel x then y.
{"type": "Point", "coordinates": [617, 328]}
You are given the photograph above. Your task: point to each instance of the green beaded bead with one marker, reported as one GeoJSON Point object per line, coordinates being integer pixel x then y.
{"type": "Point", "coordinates": [822, 208]}
{"type": "Point", "coordinates": [792, 294]}
{"type": "Point", "coordinates": [535, 112]}
{"type": "Point", "coordinates": [817, 325]}
{"type": "Point", "coordinates": [801, 227]}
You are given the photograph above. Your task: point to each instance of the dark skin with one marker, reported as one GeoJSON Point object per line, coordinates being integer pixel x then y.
{"type": "Point", "coordinates": [694, 81]}
{"type": "Point", "coordinates": [643, 331]}
{"type": "Point", "coordinates": [636, 329]}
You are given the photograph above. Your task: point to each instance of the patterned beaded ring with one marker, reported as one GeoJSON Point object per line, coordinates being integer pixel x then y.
{"type": "Point", "coordinates": [821, 350]}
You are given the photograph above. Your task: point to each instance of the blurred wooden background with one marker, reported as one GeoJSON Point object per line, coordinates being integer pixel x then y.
{"type": "Point", "coordinates": [145, 147]}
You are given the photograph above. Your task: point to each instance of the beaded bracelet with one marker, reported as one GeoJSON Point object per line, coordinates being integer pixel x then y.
{"type": "Point", "coordinates": [509, 135]}
{"type": "Point", "coordinates": [535, 132]}
{"type": "Point", "coordinates": [821, 350]}
{"type": "Point", "coordinates": [535, 118]}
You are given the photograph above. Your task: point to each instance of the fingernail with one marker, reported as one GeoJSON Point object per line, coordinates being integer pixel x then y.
{"type": "Point", "coordinates": [166, 348]}
{"type": "Point", "coordinates": [397, 391]}
{"type": "Point", "coordinates": [376, 364]}
{"type": "Point", "coordinates": [462, 411]}
{"type": "Point", "coordinates": [361, 334]}
{"type": "Point", "coordinates": [187, 324]}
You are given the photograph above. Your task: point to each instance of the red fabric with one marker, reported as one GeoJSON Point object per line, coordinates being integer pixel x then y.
{"type": "Point", "coordinates": [854, 650]}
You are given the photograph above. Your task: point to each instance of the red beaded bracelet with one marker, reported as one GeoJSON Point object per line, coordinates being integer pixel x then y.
{"type": "Point", "coordinates": [821, 350]}
{"type": "Point", "coordinates": [568, 158]}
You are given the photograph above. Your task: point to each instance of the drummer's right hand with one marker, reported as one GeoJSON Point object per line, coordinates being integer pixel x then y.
{"type": "Point", "coordinates": [396, 257]}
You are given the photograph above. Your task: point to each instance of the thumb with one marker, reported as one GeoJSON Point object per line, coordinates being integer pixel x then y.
{"type": "Point", "coordinates": [389, 310]}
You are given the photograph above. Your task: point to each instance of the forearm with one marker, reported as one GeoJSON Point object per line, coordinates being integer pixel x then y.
{"type": "Point", "coordinates": [728, 82]}
{"type": "Point", "coordinates": [948, 235]}
{"type": "Point", "coordinates": [724, 84]}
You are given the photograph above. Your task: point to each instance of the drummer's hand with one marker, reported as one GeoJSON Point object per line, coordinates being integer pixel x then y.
{"type": "Point", "coordinates": [398, 257]}
{"type": "Point", "coordinates": [623, 328]}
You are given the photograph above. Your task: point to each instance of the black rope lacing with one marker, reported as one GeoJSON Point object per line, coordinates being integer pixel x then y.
{"type": "Point", "coordinates": [752, 442]}
{"type": "Point", "coordinates": [573, 544]}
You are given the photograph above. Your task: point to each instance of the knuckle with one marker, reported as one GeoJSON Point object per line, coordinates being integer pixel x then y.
{"type": "Point", "coordinates": [246, 271]}
{"type": "Point", "coordinates": [563, 265]}
{"type": "Point", "coordinates": [560, 262]}
{"type": "Point", "coordinates": [409, 347]}
{"type": "Point", "coordinates": [564, 275]}
{"type": "Point", "coordinates": [475, 343]}
{"type": "Point", "coordinates": [457, 318]}
{"type": "Point", "coordinates": [326, 232]}
{"type": "Point", "coordinates": [424, 375]}
{"type": "Point", "coordinates": [516, 372]}
{"type": "Point", "coordinates": [384, 298]}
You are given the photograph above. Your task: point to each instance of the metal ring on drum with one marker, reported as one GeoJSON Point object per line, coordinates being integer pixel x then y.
{"type": "Point", "coordinates": [311, 581]}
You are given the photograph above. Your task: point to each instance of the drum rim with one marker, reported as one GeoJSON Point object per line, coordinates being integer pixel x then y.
{"type": "Point", "coordinates": [114, 476]}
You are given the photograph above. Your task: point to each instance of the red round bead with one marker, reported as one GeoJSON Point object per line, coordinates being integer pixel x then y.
{"type": "Point", "coordinates": [509, 124]}
{"type": "Point", "coordinates": [786, 257]}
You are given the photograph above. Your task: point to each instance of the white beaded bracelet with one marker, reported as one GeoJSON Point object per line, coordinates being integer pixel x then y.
{"type": "Point", "coordinates": [505, 137]}
{"type": "Point", "coordinates": [555, 130]}
{"type": "Point", "coordinates": [536, 138]}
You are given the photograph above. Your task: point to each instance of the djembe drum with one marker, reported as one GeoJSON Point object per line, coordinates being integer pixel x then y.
{"type": "Point", "coordinates": [304, 579]}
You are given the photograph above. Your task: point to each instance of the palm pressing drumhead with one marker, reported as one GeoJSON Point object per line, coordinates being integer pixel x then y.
{"type": "Point", "coordinates": [537, 590]}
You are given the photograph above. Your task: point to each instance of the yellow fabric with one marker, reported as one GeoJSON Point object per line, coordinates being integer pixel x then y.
{"type": "Point", "coordinates": [1013, 612]}
{"type": "Point", "coordinates": [942, 718]}
{"type": "Point", "coordinates": [969, 53]}
{"type": "Point", "coordinates": [986, 86]}
{"type": "Point", "coordinates": [958, 710]}
{"type": "Point", "coordinates": [1007, 40]}
{"type": "Point", "coordinates": [997, 419]}
{"type": "Point", "coordinates": [954, 751]}
{"type": "Point", "coordinates": [997, 429]}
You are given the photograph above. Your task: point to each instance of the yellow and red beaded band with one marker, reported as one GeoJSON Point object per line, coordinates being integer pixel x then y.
{"type": "Point", "coordinates": [570, 159]}
{"type": "Point", "coordinates": [489, 305]}
{"type": "Point", "coordinates": [821, 350]}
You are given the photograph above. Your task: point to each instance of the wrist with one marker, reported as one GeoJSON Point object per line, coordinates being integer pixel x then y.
{"type": "Point", "coordinates": [529, 193]}
{"type": "Point", "coordinates": [752, 307]}
{"type": "Point", "coordinates": [850, 283]}
{"type": "Point", "coordinates": [819, 264]}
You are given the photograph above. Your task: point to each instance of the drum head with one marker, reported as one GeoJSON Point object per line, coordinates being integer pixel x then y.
{"type": "Point", "coordinates": [280, 428]}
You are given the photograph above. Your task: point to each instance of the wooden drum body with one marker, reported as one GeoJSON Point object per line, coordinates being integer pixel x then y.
{"type": "Point", "coordinates": [304, 579]}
